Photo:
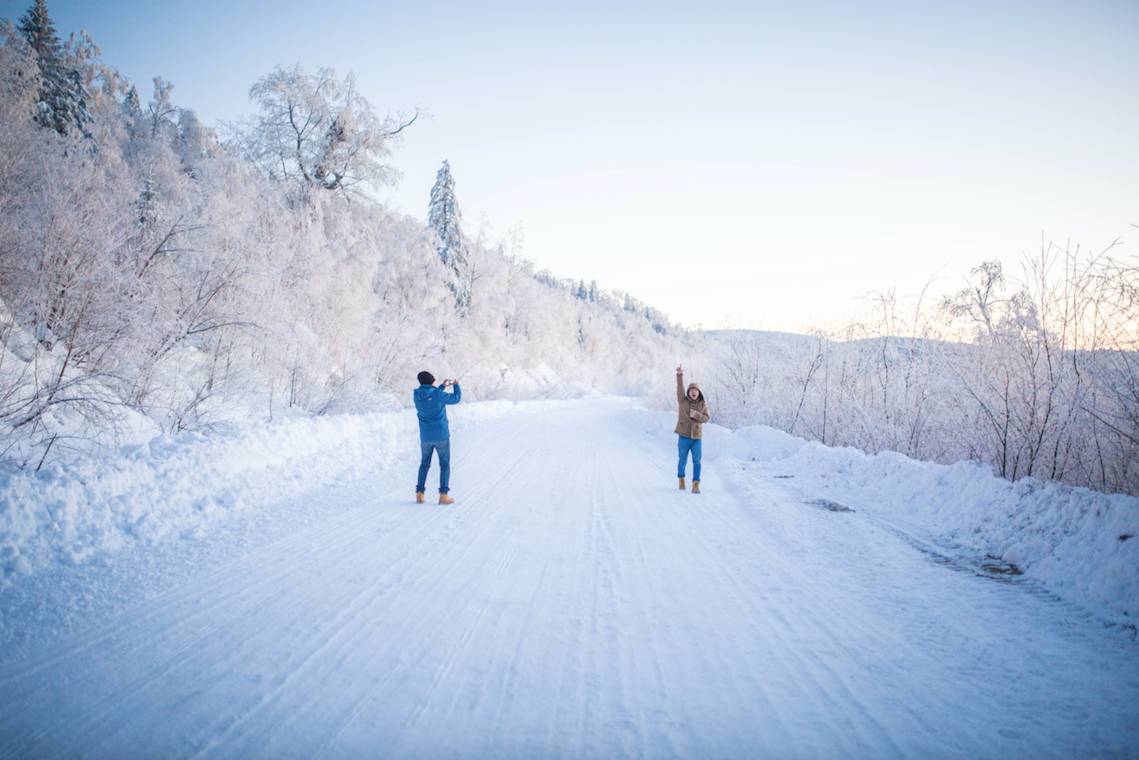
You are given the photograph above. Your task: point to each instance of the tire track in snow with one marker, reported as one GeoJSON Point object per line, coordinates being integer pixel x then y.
{"type": "Point", "coordinates": [245, 601]}
{"type": "Point", "coordinates": [303, 547]}
{"type": "Point", "coordinates": [657, 729]}
{"type": "Point", "coordinates": [734, 636]}
{"type": "Point", "coordinates": [398, 585]}
{"type": "Point", "coordinates": [443, 609]}
{"type": "Point", "coordinates": [849, 722]}
{"type": "Point", "coordinates": [130, 646]}
{"type": "Point", "coordinates": [607, 645]}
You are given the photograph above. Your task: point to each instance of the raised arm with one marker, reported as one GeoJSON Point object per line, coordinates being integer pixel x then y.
{"type": "Point", "coordinates": [680, 395]}
{"type": "Point", "coordinates": [454, 396]}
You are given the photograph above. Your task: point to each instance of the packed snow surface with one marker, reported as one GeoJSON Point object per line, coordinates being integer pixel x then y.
{"type": "Point", "coordinates": [572, 603]}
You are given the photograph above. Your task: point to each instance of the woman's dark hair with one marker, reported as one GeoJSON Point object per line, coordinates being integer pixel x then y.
{"type": "Point", "coordinates": [426, 378]}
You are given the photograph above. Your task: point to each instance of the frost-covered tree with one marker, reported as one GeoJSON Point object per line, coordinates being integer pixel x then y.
{"type": "Point", "coordinates": [316, 132]}
{"type": "Point", "coordinates": [158, 281]}
{"type": "Point", "coordinates": [132, 107]}
{"type": "Point", "coordinates": [160, 112]}
{"type": "Point", "coordinates": [446, 221]}
{"type": "Point", "coordinates": [444, 216]}
{"type": "Point", "coordinates": [195, 141]}
{"type": "Point", "coordinates": [62, 100]}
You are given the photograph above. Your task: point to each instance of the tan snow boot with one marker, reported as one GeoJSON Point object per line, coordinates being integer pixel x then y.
{"type": "Point", "coordinates": [681, 484]}
{"type": "Point", "coordinates": [419, 497]}
{"type": "Point", "coordinates": [696, 486]}
{"type": "Point", "coordinates": [445, 499]}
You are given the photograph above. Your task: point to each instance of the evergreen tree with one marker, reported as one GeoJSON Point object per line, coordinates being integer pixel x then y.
{"type": "Point", "coordinates": [131, 104]}
{"type": "Point", "coordinates": [62, 98]}
{"type": "Point", "coordinates": [147, 202]}
{"type": "Point", "coordinates": [444, 217]}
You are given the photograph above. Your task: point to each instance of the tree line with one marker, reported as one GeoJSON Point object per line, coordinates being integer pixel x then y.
{"type": "Point", "coordinates": [1034, 372]}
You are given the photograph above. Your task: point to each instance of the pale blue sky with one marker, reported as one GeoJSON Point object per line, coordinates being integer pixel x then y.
{"type": "Point", "coordinates": [752, 165]}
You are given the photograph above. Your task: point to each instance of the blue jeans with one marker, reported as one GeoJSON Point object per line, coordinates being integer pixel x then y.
{"type": "Point", "coordinates": [427, 448]}
{"type": "Point", "coordinates": [684, 444]}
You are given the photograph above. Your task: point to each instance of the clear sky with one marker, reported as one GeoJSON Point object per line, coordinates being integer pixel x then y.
{"type": "Point", "coordinates": [759, 165]}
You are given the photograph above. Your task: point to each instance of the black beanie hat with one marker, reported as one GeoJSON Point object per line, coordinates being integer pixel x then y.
{"type": "Point", "coordinates": [426, 378]}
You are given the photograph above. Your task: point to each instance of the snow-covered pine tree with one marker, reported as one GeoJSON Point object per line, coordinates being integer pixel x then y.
{"type": "Point", "coordinates": [132, 108]}
{"type": "Point", "coordinates": [62, 99]}
{"type": "Point", "coordinates": [147, 203]}
{"type": "Point", "coordinates": [444, 217]}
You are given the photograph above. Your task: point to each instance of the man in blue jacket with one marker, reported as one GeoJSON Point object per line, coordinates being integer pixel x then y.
{"type": "Point", "coordinates": [434, 435]}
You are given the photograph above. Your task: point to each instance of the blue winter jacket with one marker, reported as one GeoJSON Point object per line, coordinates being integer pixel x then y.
{"type": "Point", "coordinates": [431, 406]}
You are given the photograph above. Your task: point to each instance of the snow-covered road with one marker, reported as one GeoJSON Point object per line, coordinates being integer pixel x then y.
{"type": "Point", "coordinates": [574, 603]}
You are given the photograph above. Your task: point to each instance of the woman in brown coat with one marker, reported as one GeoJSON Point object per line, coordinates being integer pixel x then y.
{"type": "Point", "coordinates": [692, 413]}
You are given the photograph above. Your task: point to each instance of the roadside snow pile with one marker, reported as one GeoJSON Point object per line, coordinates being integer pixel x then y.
{"type": "Point", "coordinates": [1083, 545]}
{"type": "Point", "coordinates": [180, 484]}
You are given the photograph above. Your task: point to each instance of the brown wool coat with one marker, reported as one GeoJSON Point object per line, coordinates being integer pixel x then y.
{"type": "Point", "coordinates": [690, 426]}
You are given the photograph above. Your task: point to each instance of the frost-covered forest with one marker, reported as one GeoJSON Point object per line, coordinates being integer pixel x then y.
{"type": "Point", "coordinates": [1035, 373]}
{"type": "Point", "coordinates": [157, 275]}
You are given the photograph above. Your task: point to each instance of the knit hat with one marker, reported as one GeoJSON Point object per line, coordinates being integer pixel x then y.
{"type": "Point", "coordinates": [426, 378]}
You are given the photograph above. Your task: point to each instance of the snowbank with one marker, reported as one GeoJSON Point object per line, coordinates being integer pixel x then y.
{"type": "Point", "coordinates": [180, 484]}
{"type": "Point", "coordinates": [1081, 544]}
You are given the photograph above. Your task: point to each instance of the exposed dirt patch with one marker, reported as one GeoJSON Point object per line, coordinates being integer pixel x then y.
{"type": "Point", "coordinates": [830, 506]}
{"type": "Point", "coordinates": [998, 566]}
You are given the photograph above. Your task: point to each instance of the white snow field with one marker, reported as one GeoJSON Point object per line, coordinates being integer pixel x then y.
{"type": "Point", "coordinates": [571, 603]}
